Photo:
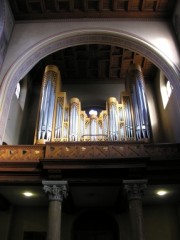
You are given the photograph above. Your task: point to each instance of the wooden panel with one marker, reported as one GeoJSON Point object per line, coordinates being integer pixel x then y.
{"type": "Point", "coordinates": [40, 9]}
{"type": "Point", "coordinates": [96, 63]}
{"type": "Point", "coordinates": [21, 153]}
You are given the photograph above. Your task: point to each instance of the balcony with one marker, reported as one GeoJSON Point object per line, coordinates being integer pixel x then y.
{"type": "Point", "coordinates": [92, 160]}
{"type": "Point", "coordinates": [89, 150]}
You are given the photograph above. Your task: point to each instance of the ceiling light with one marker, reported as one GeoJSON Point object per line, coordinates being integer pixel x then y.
{"type": "Point", "coordinates": [161, 192]}
{"type": "Point", "coordinates": [28, 194]}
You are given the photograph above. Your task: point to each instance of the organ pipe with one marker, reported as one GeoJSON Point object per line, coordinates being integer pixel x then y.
{"type": "Point", "coordinates": [47, 104]}
{"type": "Point", "coordinates": [139, 103]}
{"type": "Point", "coordinates": [113, 119]}
{"type": "Point", "coordinates": [93, 127]}
{"type": "Point", "coordinates": [74, 119]}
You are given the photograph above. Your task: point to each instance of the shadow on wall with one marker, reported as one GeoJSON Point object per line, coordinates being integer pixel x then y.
{"type": "Point", "coordinates": [95, 225]}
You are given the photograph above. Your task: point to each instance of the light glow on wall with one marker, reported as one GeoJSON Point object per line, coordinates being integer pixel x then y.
{"type": "Point", "coordinates": [166, 91]}
{"type": "Point", "coordinates": [164, 45]}
{"type": "Point", "coordinates": [18, 90]}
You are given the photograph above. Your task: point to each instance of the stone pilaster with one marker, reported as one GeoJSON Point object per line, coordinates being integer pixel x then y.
{"type": "Point", "coordinates": [57, 191]}
{"type": "Point", "coordinates": [135, 190]}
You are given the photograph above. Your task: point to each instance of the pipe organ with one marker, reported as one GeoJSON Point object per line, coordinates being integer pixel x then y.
{"type": "Point", "coordinates": [58, 120]}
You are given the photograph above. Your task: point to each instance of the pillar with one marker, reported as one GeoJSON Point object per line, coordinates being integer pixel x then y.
{"type": "Point", "coordinates": [135, 190]}
{"type": "Point", "coordinates": [56, 190]}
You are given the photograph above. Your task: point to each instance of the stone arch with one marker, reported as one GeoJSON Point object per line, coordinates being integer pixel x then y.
{"type": "Point", "coordinates": [34, 54]}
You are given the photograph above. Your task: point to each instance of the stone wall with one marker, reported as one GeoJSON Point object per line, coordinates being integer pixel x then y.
{"type": "Point", "coordinates": [6, 26]}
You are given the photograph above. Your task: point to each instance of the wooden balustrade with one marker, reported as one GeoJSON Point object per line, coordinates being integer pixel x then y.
{"type": "Point", "coordinates": [89, 150]}
{"type": "Point", "coordinates": [18, 153]}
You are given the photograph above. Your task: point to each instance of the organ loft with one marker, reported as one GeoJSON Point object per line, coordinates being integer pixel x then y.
{"type": "Point", "coordinates": [124, 119]}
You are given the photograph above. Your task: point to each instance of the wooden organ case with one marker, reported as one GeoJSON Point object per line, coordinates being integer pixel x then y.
{"type": "Point", "coordinates": [60, 121]}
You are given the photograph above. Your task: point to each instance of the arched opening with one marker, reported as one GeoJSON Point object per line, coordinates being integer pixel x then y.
{"type": "Point", "coordinates": [95, 225]}
{"type": "Point", "coordinates": [19, 69]}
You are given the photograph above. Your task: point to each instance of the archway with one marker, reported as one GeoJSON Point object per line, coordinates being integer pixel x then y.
{"type": "Point", "coordinates": [95, 225]}
{"type": "Point", "coordinates": [26, 61]}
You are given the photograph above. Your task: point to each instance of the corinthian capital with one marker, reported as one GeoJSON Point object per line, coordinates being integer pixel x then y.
{"type": "Point", "coordinates": [56, 190]}
{"type": "Point", "coordinates": [135, 188]}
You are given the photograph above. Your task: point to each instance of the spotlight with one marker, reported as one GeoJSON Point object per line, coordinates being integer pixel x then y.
{"type": "Point", "coordinates": [161, 192]}
{"type": "Point", "coordinates": [28, 194]}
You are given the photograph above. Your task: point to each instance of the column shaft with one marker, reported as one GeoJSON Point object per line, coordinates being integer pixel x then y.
{"type": "Point", "coordinates": [56, 190]}
{"type": "Point", "coordinates": [54, 220]}
{"type": "Point", "coordinates": [136, 216]}
{"type": "Point", "coordinates": [135, 190]}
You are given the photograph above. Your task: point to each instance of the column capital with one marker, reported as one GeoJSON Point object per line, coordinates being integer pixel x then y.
{"type": "Point", "coordinates": [56, 190]}
{"type": "Point", "coordinates": [135, 188]}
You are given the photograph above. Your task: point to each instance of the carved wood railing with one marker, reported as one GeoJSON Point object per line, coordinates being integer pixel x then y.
{"type": "Point", "coordinates": [89, 150]}
{"type": "Point", "coordinates": [28, 153]}
{"type": "Point", "coordinates": [110, 150]}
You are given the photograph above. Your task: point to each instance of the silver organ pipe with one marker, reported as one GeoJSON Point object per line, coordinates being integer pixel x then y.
{"type": "Point", "coordinates": [129, 128]}
{"type": "Point", "coordinates": [74, 119]}
{"type": "Point", "coordinates": [50, 112]}
{"type": "Point", "coordinates": [121, 122]}
{"type": "Point", "coordinates": [83, 116]}
{"type": "Point", "coordinates": [100, 130]}
{"type": "Point", "coordinates": [93, 127]}
{"type": "Point", "coordinates": [146, 112]}
{"type": "Point", "coordinates": [45, 110]}
{"type": "Point", "coordinates": [139, 102]}
{"type": "Point", "coordinates": [47, 104]}
{"type": "Point", "coordinates": [113, 119]}
{"type": "Point", "coordinates": [87, 131]}
{"type": "Point", "coordinates": [66, 124]}
{"type": "Point", "coordinates": [136, 114]}
{"type": "Point", "coordinates": [59, 120]}
{"type": "Point", "coordinates": [105, 123]}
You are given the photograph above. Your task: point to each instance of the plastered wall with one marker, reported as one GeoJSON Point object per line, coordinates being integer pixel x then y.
{"type": "Point", "coordinates": [27, 219]}
{"type": "Point", "coordinates": [5, 223]}
{"type": "Point", "coordinates": [169, 117]}
{"type": "Point", "coordinates": [161, 222]}
{"type": "Point", "coordinates": [13, 126]}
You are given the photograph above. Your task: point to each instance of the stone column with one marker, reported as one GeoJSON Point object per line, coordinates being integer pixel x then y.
{"type": "Point", "coordinates": [135, 190]}
{"type": "Point", "coordinates": [56, 191]}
